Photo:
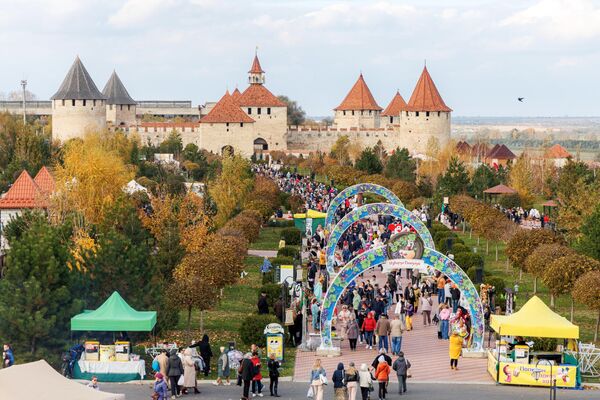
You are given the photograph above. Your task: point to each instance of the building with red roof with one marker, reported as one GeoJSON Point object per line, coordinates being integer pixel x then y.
{"type": "Point", "coordinates": [499, 155]}
{"type": "Point", "coordinates": [558, 155]}
{"type": "Point", "coordinates": [359, 108]}
{"type": "Point", "coordinates": [394, 109]}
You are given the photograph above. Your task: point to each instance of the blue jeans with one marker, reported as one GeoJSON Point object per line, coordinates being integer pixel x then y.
{"type": "Point", "coordinates": [441, 298]}
{"type": "Point", "coordinates": [369, 337]}
{"type": "Point", "coordinates": [396, 344]}
{"type": "Point", "coordinates": [455, 305]}
{"type": "Point", "coordinates": [444, 328]}
{"type": "Point", "coordinates": [383, 343]}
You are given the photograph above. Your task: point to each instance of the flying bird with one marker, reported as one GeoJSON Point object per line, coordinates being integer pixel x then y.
{"type": "Point", "coordinates": [521, 99]}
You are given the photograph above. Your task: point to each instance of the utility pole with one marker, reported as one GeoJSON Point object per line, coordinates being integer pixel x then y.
{"type": "Point", "coordinates": [24, 85]}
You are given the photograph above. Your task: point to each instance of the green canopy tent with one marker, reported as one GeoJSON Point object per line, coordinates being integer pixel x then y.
{"type": "Point", "coordinates": [114, 315]}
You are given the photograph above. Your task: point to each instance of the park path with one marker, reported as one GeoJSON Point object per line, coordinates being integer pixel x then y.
{"type": "Point", "coordinates": [427, 354]}
{"type": "Point", "coordinates": [262, 253]}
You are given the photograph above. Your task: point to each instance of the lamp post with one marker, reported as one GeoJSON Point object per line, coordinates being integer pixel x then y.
{"type": "Point", "coordinates": [24, 85]}
{"type": "Point", "coordinates": [552, 379]}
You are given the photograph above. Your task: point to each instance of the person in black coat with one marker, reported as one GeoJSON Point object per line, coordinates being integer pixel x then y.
{"type": "Point", "coordinates": [205, 352]}
{"type": "Point", "coordinates": [263, 305]}
{"type": "Point", "coordinates": [273, 366]}
{"type": "Point", "coordinates": [174, 371]}
{"type": "Point", "coordinates": [246, 372]}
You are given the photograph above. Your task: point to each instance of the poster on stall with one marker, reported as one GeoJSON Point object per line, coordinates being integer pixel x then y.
{"type": "Point", "coordinates": [537, 375]}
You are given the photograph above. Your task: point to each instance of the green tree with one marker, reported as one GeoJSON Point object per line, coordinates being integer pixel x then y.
{"type": "Point", "coordinates": [295, 114]}
{"type": "Point", "coordinates": [483, 178]}
{"type": "Point", "coordinates": [401, 165]}
{"type": "Point", "coordinates": [368, 162]}
{"type": "Point", "coordinates": [455, 180]}
{"type": "Point", "coordinates": [39, 293]}
{"type": "Point", "coordinates": [340, 150]}
{"type": "Point", "coordinates": [589, 241]}
{"type": "Point", "coordinates": [575, 206]}
{"type": "Point", "coordinates": [172, 144]}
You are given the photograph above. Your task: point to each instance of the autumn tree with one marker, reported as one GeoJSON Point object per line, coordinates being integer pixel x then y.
{"type": "Point", "coordinates": [368, 162]}
{"type": "Point", "coordinates": [575, 206]}
{"type": "Point", "coordinates": [406, 191]}
{"type": "Point", "coordinates": [561, 274]}
{"type": "Point", "coordinates": [521, 179]}
{"type": "Point", "coordinates": [589, 240]}
{"type": "Point", "coordinates": [229, 190]}
{"type": "Point", "coordinates": [90, 179]}
{"type": "Point", "coordinates": [525, 241]}
{"type": "Point", "coordinates": [585, 291]}
{"type": "Point", "coordinates": [339, 150]}
{"type": "Point", "coordinates": [295, 114]}
{"type": "Point", "coordinates": [537, 262]}
{"type": "Point", "coordinates": [401, 165]}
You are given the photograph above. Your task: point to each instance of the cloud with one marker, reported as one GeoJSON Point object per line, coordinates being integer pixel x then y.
{"type": "Point", "coordinates": [138, 11]}
{"type": "Point", "coordinates": [564, 20]}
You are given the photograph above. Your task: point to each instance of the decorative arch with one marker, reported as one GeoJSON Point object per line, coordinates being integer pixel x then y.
{"type": "Point", "coordinates": [377, 256]}
{"type": "Point", "coordinates": [353, 191]}
{"type": "Point", "coordinates": [366, 211]}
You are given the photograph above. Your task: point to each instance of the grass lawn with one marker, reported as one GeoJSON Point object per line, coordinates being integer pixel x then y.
{"type": "Point", "coordinates": [268, 239]}
{"type": "Point", "coordinates": [585, 318]}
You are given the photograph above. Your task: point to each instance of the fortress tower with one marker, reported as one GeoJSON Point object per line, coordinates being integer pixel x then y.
{"type": "Point", "coordinates": [120, 107]}
{"type": "Point", "coordinates": [391, 114]}
{"type": "Point", "coordinates": [358, 109]}
{"type": "Point", "coordinates": [77, 106]}
{"type": "Point", "coordinates": [426, 116]}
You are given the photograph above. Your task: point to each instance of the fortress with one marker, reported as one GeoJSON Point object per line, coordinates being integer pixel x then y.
{"type": "Point", "coordinates": [250, 122]}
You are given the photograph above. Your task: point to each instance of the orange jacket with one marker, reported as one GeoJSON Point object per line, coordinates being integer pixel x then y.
{"type": "Point", "coordinates": [382, 373]}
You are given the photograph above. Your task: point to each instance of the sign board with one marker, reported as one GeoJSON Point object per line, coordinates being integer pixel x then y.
{"type": "Point", "coordinates": [309, 231]}
{"type": "Point", "coordinates": [273, 328]}
{"type": "Point", "coordinates": [285, 272]}
{"type": "Point", "coordinates": [274, 333]}
{"type": "Point", "coordinates": [532, 375]}
{"type": "Point", "coordinates": [446, 200]}
{"type": "Point", "coordinates": [398, 263]}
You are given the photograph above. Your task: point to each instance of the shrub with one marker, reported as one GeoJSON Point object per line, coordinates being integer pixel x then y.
{"type": "Point", "coordinates": [438, 227]}
{"type": "Point", "coordinates": [287, 251]}
{"type": "Point", "coordinates": [246, 223]}
{"type": "Point", "coordinates": [264, 208]}
{"type": "Point", "coordinates": [498, 283]}
{"type": "Point", "coordinates": [268, 277]}
{"type": "Point", "coordinates": [438, 235]}
{"type": "Point", "coordinates": [467, 260]}
{"type": "Point", "coordinates": [251, 330]}
{"type": "Point", "coordinates": [282, 261]}
{"type": "Point", "coordinates": [471, 273]}
{"type": "Point", "coordinates": [273, 291]}
{"type": "Point", "coordinates": [295, 203]}
{"type": "Point", "coordinates": [292, 236]}
{"type": "Point", "coordinates": [280, 223]}
{"type": "Point", "coordinates": [441, 244]}
{"type": "Point", "coordinates": [460, 248]}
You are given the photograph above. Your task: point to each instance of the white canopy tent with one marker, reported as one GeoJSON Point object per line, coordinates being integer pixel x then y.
{"type": "Point", "coordinates": [39, 381]}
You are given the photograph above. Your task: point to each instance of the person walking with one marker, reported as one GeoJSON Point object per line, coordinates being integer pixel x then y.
{"type": "Point", "coordinates": [401, 366]}
{"type": "Point", "coordinates": [246, 374]}
{"type": "Point", "coordinates": [455, 293]}
{"type": "Point", "coordinates": [163, 359]}
{"type": "Point", "coordinates": [352, 381]}
{"type": "Point", "coordinates": [368, 327]}
{"type": "Point", "coordinates": [316, 382]}
{"type": "Point", "coordinates": [382, 330]}
{"type": "Point", "coordinates": [174, 371]}
{"type": "Point", "coordinates": [161, 391]}
{"type": "Point", "coordinates": [339, 383]}
{"type": "Point", "coordinates": [257, 385]}
{"type": "Point", "coordinates": [273, 365]}
{"type": "Point", "coordinates": [365, 381]}
{"type": "Point", "coordinates": [444, 320]}
{"type": "Point", "coordinates": [205, 352]}
{"type": "Point", "coordinates": [352, 332]}
{"type": "Point", "coordinates": [396, 335]}
{"type": "Point", "coordinates": [454, 349]}
{"type": "Point", "coordinates": [262, 304]}
{"type": "Point", "coordinates": [8, 357]}
{"type": "Point", "coordinates": [382, 374]}
{"type": "Point", "coordinates": [441, 282]}
{"type": "Point", "coordinates": [410, 310]}
{"type": "Point", "coordinates": [314, 310]}
{"type": "Point", "coordinates": [426, 306]}
{"type": "Point", "coordinates": [189, 372]}
{"type": "Point", "coordinates": [223, 370]}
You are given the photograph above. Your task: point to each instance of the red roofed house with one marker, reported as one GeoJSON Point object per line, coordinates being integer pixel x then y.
{"type": "Point", "coordinates": [558, 154]}
{"type": "Point", "coordinates": [499, 155]}
{"type": "Point", "coordinates": [25, 193]}
{"type": "Point", "coordinates": [358, 109]}
{"type": "Point", "coordinates": [394, 109]}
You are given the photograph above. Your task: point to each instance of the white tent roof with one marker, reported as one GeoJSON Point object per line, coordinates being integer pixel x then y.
{"type": "Point", "coordinates": [39, 381]}
{"type": "Point", "coordinates": [132, 187]}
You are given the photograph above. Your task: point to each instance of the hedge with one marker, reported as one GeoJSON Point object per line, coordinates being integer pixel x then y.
{"type": "Point", "coordinates": [268, 277]}
{"type": "Point", "coordinates": [251, 330]}
{"type": "Point", "coordinates": [282, 261]}
{"type": "Point", "coordinates": [460, 248]}
{"type": "Point", "coordinates": [468, 260]}
{"type": "Point", "coordinates": [441, 244]}
{"type": "Point", "coordinates": [273, 291]}
{"type": "Point", "coordinates": [292, 236]}
{"type": "Point", "coordinates": [287, 251]}
{"type": "Point", "coordinates": [280, 223]}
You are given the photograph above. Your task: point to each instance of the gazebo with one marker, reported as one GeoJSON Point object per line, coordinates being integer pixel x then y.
{"type": "Point", "coordinates": [498, 190]}
{"type": "Point", "coordinates": [549, 206]}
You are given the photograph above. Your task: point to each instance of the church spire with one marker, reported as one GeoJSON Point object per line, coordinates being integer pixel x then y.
{"type": "Point", "coordinates": [256, 75]}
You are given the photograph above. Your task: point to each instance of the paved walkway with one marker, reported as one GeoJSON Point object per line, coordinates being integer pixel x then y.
{"type": "Point", "coordinates": [427, 354]}
{"type": "Point", "coordinates": [262, 253]}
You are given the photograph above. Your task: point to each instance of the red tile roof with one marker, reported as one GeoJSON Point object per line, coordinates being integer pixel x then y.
{"type": "Point", "coordinates": [236, 94]}
{"type": "Point", "coordinates": [45, 181]}
{"type": "Point", "coordinates": [24, 193]}
{"type": "Point", "coordinates": [256, 68]}
{"type": "Point", "coordinates": [396, 106]}
{"type": "Point", "coordinates": [425, 96]}
{"type": "Point", "coordinates": [226, 110]}
{"type": "Point", "coordinates": [257, 95]}
{"type": "Point", "coordinates": [501, 152]}
{"type": "Point", "coordinates": [557, 151]}
{"type": "Point", "coordinates": [463, 147]}
{"type": "Point", "coordinates": [500, 189]}
{"type": "Point", "coordinates": [479, 150]}
{"type": "Point", "coordinates": [359, 98]}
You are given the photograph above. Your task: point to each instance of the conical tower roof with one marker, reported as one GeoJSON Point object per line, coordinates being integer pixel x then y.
{"type": "Point", "coordinates": [256, 68]}
{"type": "Point", "coordinates": [226, 110]}
{"type": "Point", "coordinates": [115, 91]}
{"type": "Point", "coordinates": [78, 85]}
{"type": "Point", "coordinates": [359, 98]}
{"type": "Point", "coordinates": [426, 97]}
{"type": "Point", "coordinates": [396, 106]}
{"type": "Point", "coordinates": [236, 94]}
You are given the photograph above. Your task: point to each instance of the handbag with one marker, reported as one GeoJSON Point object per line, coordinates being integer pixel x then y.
{"type": "Point", "coordinates": [371, 388]}
{"type": "Point", "coordinates": [323, 379]}
{"type": "Point", "coordinates": [310, 393]}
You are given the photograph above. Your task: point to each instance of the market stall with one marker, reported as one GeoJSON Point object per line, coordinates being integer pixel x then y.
{"type": "Point", "coordinates": [312, 217]}
{"type": "Point", "coordinates": [514, 362]}
{"type": "Point", "coordinates": [111, 362]}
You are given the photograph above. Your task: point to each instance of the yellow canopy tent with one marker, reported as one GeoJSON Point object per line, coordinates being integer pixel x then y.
{"type": "Point", "coordinates": [318, 218]}
{"type": "Point", "coordinates": [534, 319]}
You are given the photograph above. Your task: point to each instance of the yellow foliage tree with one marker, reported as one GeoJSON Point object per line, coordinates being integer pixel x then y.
{"type": "Point", "coordinates": [90, 179]}
{"type": "Point", "coordinates": [520, 178]}
{"type": "Point", "coordinates": [229, 190]}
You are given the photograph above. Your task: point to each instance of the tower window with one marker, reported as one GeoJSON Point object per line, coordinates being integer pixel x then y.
{"type": "Point", "coordinates": [128, 107]}
{"type": "Point", "coordinates": [110, 106]}
{"type": "Point", "coordinates": [438, 113]}
{"type": "Point", "coordinates": [370, 112]}
{"type": "Point", "coordinates": [258, 110]}
{"type": "Point", "coordinates": [94, 103]}
{"type": "Point", "coordinates": [249, 110]}
{"type": "Point", "coordinates": [73, 102]}
{"type": "Point", "coordinates": [352, 112]}
{"type": "Point", "coordinates": [121, 107]}
{"type": "Point", "coordinates": [416, 114]}
{"type": "Point", "coordinates": [391, 120]}
{"type": "Point", "coordinates": [342, 111]}
{"type": "Point", "coordinates": [227, 124]}
{"type": "Point", "coordinates": [269, 110]}
{"type": "Point", "coordinates": [84, 103]}
{"type": "Point", "coordinates": [407, 113]}
{"type": "Point", "coordinates": [427, 113]}
{"type": "Point", "coordinates": [63, 103]}
{"type": "Point", "coordinates": [241, 124]}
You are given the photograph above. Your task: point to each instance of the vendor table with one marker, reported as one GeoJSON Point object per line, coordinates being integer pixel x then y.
{"type": "Point", "coordinates": [111, 371]}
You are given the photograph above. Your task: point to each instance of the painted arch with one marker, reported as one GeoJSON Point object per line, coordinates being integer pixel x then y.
{"type": "Point", "coordinates": [353, 191]}
{"type": "Point", "coordinates": [377, 256]}
{"type": "Point", "coordinates": [374, 209]}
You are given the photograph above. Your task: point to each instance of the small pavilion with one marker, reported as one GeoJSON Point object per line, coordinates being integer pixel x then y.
{"type": "Point", "coordinates": [498, 190]}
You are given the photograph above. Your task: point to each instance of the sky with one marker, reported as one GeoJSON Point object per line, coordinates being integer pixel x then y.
{"type": "Point", "coordinates": [481, 54]}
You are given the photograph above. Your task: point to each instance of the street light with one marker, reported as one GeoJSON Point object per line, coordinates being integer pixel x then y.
{"type": "Point", "coordinates": [552, 379]}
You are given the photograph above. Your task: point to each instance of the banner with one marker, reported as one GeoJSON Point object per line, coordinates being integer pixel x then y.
{"type": "Point", "coordinates": [390, 265]}
{"type": "Point", "coordinates": [532, 375]}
